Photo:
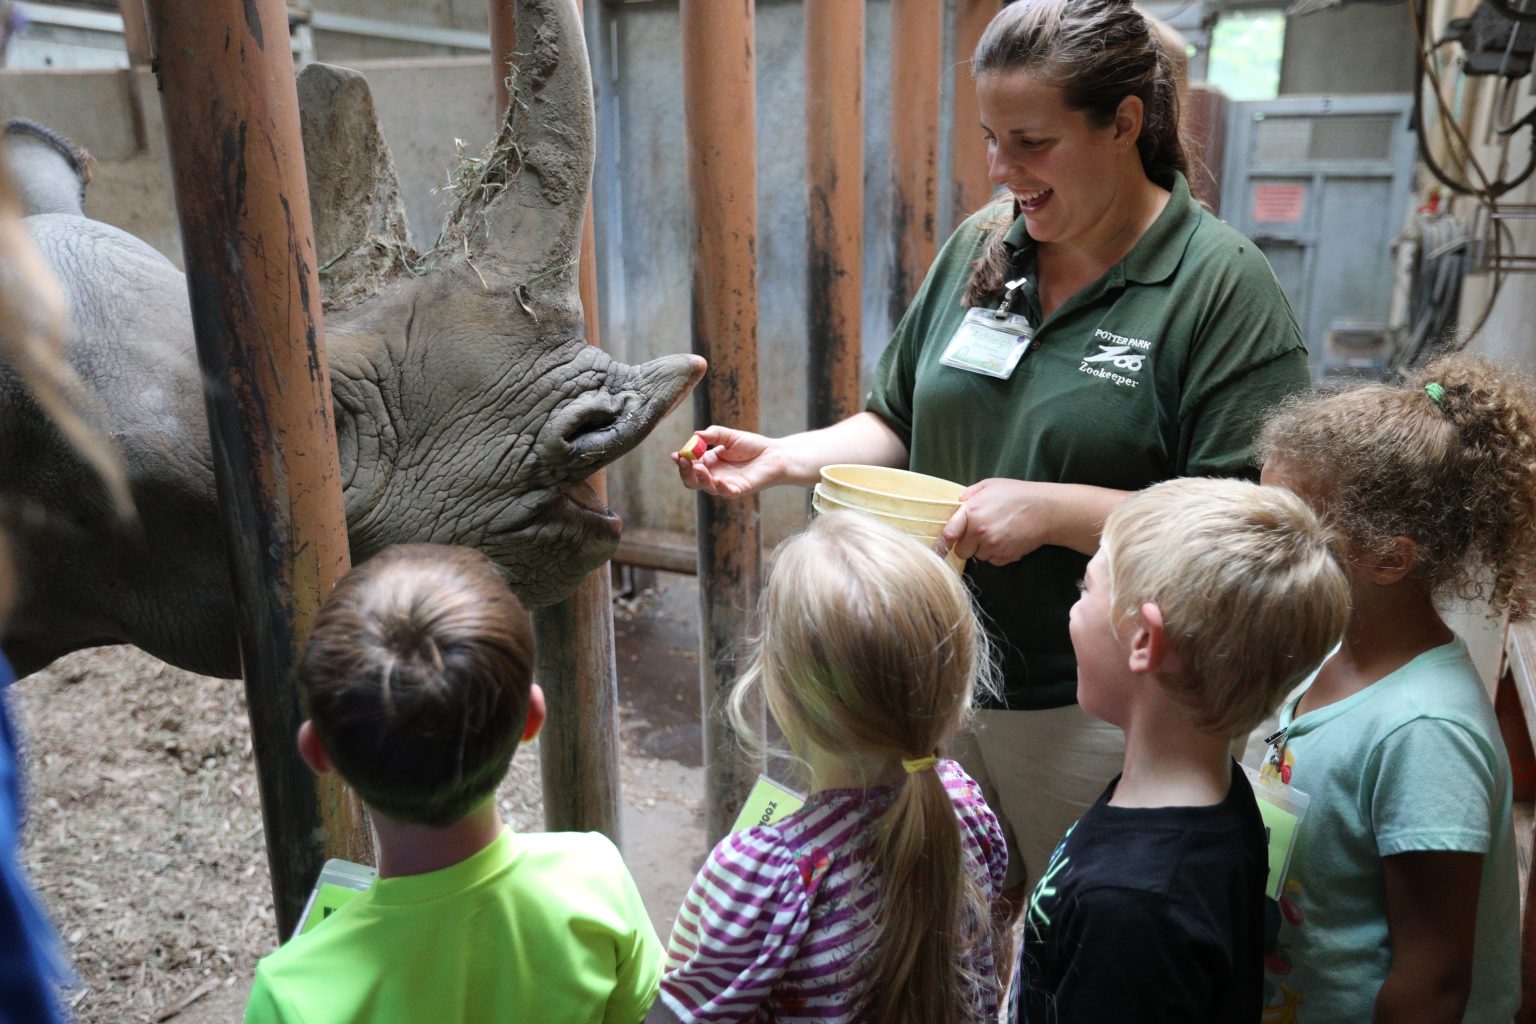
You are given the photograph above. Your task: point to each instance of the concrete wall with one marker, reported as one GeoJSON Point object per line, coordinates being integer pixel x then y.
{"type": "Point", "coordinates": [1358, 48]}
{"type": "Point", "coordinates": [424, 105]}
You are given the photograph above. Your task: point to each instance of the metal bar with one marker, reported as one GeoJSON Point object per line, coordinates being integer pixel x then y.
{"type": "Point", "coordinates": [834, 157]}
{"type": "Point", "coordinates": [71, 17]}
{"type": "Point", "coordinates": [719, 46]}
{"type": "Point", "coordinates": [135, 32]}
{"type": "Point", "coordinates": [375, 28]}
{"type": "Point", "coordinates": [232, 128]}
{"type": "Point", "coordinates": [970, 187]}
{"type": "Point", "coordinates": [917, 31]}
{"type": "Point", "coordinates": [578, 668]}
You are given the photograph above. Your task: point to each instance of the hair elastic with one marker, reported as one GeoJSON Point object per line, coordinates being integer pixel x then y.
{"type": "Point", "coordinates": [919, 764]}
{"type": "Point", "coordinates": [1435, 392]}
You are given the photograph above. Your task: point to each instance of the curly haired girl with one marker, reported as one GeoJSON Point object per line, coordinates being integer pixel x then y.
{"type": "Point", "coordinates": [1401, 901]}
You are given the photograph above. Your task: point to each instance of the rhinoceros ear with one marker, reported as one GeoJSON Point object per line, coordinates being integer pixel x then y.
{"type": "Point", "coordinates": [520, 206]}
{"type": "Point", "coordinates": [361, 238]}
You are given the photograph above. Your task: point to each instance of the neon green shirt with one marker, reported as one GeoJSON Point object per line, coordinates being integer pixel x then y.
{"type": "Point", "coordinates": [537, 927]}
{"type": "Point", "coordinates": [1161, 368]}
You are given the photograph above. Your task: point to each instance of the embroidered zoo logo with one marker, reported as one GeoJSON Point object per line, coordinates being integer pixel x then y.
{"type": "Point", "coordinates": [1120, 354]}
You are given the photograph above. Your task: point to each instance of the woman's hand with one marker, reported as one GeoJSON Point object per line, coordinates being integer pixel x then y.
{"type": "Point", "coordinates": [1002, 520]}
{"type": "Point", "coordinates": [736, 464]}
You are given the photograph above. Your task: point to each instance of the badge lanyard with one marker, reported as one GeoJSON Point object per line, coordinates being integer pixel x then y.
{"type": "Point", "coordinates": [991, 342]}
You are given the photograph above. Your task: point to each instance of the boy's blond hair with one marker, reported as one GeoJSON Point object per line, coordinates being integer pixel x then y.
{"type": "Point", "coordinates": [1251, 594]}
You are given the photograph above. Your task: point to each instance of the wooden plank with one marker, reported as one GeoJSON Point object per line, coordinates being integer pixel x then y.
{"type": "Point", "coordinates": [659, 549]}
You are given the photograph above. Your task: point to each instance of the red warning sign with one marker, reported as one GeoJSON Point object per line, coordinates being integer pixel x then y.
{"type": "Point", "coordinates": [1279, 204]}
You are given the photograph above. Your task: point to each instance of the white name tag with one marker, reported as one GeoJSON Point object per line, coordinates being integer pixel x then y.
{"type": "Point", "coordinates": [1282, 807]}
{"type": "Point", "coordinates": [988, 344]}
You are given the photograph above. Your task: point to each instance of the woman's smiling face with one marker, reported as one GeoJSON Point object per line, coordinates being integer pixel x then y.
{"type": "Point", "coordinates": [1065, 172]}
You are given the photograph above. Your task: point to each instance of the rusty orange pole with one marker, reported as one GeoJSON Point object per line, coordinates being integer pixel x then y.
{"type": "Point", "coordinates": [579, 747]}
{"type": "Point", "coordinates": [503, 26]}
{"type": "Point", "coordinates": [232, 127]}
{"type": "Point", "coordinates": [917, 34]}
{"type": "Point", "coordinates": [834, 158]}
{"type": "Point", "coordinates": [969, 188]}
{"type": "Point", "coordinates": [719, 45]}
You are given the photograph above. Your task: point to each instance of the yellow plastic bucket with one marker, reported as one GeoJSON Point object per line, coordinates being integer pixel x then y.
{"type": "Point", "coordinates": [891, 491]}
{"type": "Point", "coordinates": [924, 533]}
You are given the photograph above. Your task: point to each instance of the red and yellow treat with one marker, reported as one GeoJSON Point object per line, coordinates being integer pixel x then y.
{"type": "Point", "coordinates": [694, 449]}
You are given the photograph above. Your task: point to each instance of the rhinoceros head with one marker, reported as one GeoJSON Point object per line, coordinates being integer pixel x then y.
{"type": "Point", "coordinates": [469, 407]}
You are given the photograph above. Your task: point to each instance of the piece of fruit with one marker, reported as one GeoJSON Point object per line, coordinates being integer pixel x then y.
{"type": "Point", "coordinates": [694, 449]}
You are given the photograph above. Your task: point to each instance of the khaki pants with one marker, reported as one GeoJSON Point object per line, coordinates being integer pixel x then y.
{"type": "Point", "coordinates": [1039, 770]}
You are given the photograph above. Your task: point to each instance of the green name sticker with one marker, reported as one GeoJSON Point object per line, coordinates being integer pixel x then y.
{"type": "Point", "coordinates": [1282, 808]}
{"type": "Point", "coordinates": [767, 803]}
{"type": "Point", "coordinates": [340, 882]}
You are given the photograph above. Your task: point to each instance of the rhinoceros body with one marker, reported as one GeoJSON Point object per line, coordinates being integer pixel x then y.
{"type": "Point", "coordinates": [469, 408]}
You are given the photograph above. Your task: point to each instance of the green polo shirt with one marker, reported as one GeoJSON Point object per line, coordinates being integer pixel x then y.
{"type": "Point", "coordinates": [1161, 368]}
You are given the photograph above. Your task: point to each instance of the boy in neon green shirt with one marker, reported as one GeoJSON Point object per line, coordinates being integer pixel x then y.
{"type": "Point", "coordinates": [418, 681]}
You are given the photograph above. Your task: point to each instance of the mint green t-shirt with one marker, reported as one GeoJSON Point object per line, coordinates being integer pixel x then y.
{"type": "Point", "coordinates": [1412, 763]}
{"type": "Point", "coordinates": [535, 927]}
{"type": "Point", "coordinates": [1161, 368]}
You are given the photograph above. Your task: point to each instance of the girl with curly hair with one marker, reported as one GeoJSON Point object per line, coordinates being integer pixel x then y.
{"type": "Point", "coordinates": [1401, 901]}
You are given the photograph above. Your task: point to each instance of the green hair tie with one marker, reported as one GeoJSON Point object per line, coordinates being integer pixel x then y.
{"type": "Point", "coordinates": [1435, 392]}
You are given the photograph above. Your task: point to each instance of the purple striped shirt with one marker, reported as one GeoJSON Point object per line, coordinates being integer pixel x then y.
{"type": "Point", "coordinates": [777, 925]}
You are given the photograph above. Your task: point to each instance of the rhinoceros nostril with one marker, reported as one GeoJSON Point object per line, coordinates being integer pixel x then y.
{"type": "Point", "coordinates": [590, 426]}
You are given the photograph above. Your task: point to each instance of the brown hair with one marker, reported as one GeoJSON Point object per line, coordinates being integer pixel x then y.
{"type": "Point", "coordinates": [870, 649]}
{"type": "Point", "coordinates": [417, 679]}
{"type": "Point", "coordinates": [1252, 596]}
{"type": "Point", "coordinates": [1454, 471]}
{"type": "Point", "coordinates": [1098, 52]}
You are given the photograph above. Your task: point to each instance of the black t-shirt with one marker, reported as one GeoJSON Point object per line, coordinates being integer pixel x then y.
{"type": "Point", "coordinates": [1149, 914]}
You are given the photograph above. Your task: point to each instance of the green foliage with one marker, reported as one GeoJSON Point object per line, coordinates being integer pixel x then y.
{"type": "Point", "coordinates": [1245, 54]}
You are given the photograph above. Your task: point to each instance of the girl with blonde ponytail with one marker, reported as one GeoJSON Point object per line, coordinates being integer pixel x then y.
{"type": "Point", "coordinates": [873, 901]}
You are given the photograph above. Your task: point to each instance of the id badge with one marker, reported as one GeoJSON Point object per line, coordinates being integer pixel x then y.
{"type": "Point", "coordinates": [1282, 807]}
{"type": "Point", "coordinates": [988, 344]}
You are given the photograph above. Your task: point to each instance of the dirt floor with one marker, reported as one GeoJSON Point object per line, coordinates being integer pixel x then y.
{"type": "Point", "coordinates": [145, 836]}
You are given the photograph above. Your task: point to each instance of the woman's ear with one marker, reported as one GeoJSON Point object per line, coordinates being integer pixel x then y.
{"type": "Point", "coordinates": [1129, 118]}
{"type": "Point", "coordinates": [536, 712]}
{"type": "Point", "coordinates": [312, 750]}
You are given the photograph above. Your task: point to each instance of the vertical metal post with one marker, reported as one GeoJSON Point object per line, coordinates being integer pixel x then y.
{"type": "Point", "coordinates": [834, 157]}
{"type": "Point", "coordinates": [232, 127]}
{"type": "Point", "coordinates": [969, 187]}
{"type": "Point", "coordinates": [719, 47]}
{"type": "Point", "coordinates": [917, 34]}
{"type": "Point", "coordinates": [579, 747]}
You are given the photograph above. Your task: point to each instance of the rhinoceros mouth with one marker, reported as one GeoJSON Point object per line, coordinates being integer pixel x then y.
{"type": "Point", "coordinates": [581, 502]}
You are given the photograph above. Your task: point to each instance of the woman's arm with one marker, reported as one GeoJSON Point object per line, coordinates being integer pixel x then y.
{"type": "Point", "coordinates": [739, 463]}
{"type": "Point", "coordinates": [1003, 520]}
{"type": "Point", "coordinates": [1431, 927]}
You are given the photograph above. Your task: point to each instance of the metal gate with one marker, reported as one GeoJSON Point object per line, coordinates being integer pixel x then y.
{"type": "Point", "coordinates": [1321, 184]}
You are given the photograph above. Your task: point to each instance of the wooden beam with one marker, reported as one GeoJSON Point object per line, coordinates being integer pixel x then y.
{"type": "Point", "coordinates": [917, 33]}
{"type": "Point", "coordinates": [232, 127]}
{"type": "Point", "coordinates": [834, 158]}
{"type": "Point", "coordinates": [970, 187]}
{"type": "Point", "coordinates": [719, 65]}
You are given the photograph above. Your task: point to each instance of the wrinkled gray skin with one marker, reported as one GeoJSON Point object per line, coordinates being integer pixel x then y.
{"type": "Point", "coordinates": [466, 412]}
